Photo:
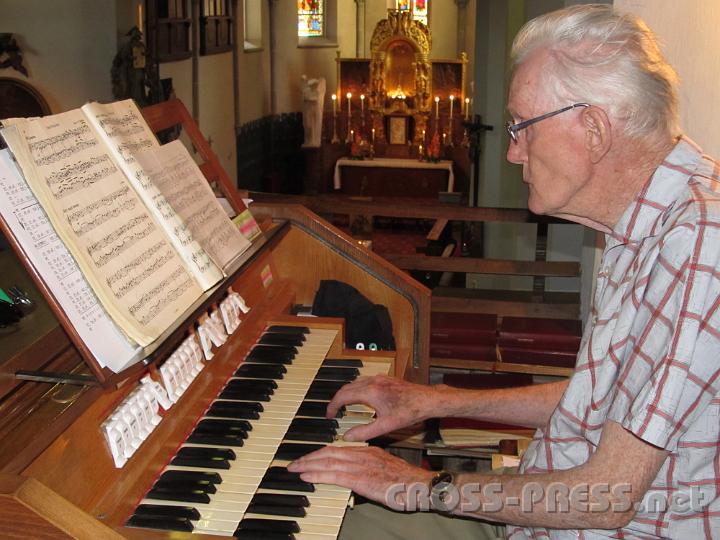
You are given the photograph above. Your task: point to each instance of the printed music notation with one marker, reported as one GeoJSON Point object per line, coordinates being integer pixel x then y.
{"type": "Point", "coordinates": [76, 176]}
{"type": "Point", "coordinates": [28, 222]}
{"type": "Point", "coordinates": [49, 150]}
{"type": "Point", "coordinates": [100, 217]}
{"type": "Point", "coordinates": [185, 192]}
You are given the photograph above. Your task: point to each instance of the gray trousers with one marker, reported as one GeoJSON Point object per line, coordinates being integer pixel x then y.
{"type": "Point", "coordinates": [369, 521]}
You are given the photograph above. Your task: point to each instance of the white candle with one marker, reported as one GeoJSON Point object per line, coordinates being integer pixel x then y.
{"type": "Point", "coordinates": [437, 107]}
{"type": "Point", "coordinates": [420, 150]}
{"type": "Point", "coordinates": [140, 17]}
{"type": "Point", "coordinates": [444, 137]}
{"type": "Point", "coordinates": [423, 136]}
{"type": "Point", "coordinates": [452, 100]}
{"type": "Point", "coordinates": [373, 135]}
{"type": "Point", "coordinates": [334, 100]}
{"type": "Point", "coordinates": [467, 108]}
{"type": "Point", "coordinates": [352, 135]}
{"type": "Point", "coordinates": [362, 104]}
{"type": "Point", "coordinates": [348, 96]}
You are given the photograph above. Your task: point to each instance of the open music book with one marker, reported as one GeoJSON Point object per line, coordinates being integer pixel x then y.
{"type": "Point", "coordinates": [139, 219]}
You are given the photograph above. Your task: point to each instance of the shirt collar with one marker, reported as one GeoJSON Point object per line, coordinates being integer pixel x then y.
{"type": "Point", "coordinates": [669, 181]}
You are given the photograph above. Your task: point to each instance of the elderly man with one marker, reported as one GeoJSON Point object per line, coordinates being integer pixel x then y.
{"type": "Point", "coordinates": [628, 447]}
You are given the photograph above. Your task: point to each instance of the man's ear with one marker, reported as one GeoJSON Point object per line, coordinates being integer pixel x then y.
{"type": "Point", "coordinates": [598, 132]}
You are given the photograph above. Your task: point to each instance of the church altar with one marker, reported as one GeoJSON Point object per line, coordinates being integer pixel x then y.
{"type": "Point", "coordinates": [394, 163]}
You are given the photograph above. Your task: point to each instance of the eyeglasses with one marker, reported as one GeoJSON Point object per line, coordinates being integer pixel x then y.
{"type": "Point", "coordinates": [514, 128]}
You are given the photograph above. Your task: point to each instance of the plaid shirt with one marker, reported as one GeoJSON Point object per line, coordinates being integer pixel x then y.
{"type": "Point", "coordinates": [650, 356]}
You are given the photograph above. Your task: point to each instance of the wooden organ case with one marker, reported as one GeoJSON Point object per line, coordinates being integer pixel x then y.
{"type": "Point", "coordinates": [57, 475]}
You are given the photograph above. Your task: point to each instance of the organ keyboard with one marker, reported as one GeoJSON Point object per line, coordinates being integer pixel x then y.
{"type": "Point", "coordinates": [77, 464]}
{"type": "Point", "coordinates": [58, 477]}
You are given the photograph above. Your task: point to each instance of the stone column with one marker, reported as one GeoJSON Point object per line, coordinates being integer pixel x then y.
{"type": "Point", "coordinates": [461, 25]}
{"type": "Point", "coordinates": [360, 28]}
{"type": "Point", "coordinates": [272, 7]}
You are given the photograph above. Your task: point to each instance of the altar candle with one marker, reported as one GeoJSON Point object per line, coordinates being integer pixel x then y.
{"type": "Point", "coordinates": [437, 107]}
{"type": "Point", "coordinates": [467, 108]}
{"type": "Point", "coordinates": [444, 137]}
{"type": "Point", "coordinates": [348, 96]}
{"type": "Point", "coordinates": [420, 151]}
{"type": "Point", "coordinates": [334, 100]}
{"type": "Point", "coordinates": [352, 135]}
{"type": "Point", "coordinates": [423, 135]}
{"type": "Point", "coordinates": [452, 100]}
{"type": "Point", "coordinates": [362, 104]}
{"type": "Point", "coordinates": [140, 17]}
{"type": "Point", "coordinates": [373, 135]}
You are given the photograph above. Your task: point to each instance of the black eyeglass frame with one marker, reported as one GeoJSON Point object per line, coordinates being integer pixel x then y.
{"type": "Point", "coordinates": [512, 129]}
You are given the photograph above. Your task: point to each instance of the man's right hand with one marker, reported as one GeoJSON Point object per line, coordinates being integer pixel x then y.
{"type": "Point", "coordinates": [397, 404]}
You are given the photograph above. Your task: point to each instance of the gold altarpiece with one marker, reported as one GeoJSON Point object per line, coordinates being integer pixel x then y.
{"type": "Point", "coordinates": [402, 87]}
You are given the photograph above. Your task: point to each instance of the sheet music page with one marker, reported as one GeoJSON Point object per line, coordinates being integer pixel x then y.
{"type": "Point", "coordinates": [126, 133]}
{"type": "Point", "coordinates": [28, 222]}
{"type": "Point", "coordinates": [175, 174]}
{"type": "Point", "coordinates": [129, 262]}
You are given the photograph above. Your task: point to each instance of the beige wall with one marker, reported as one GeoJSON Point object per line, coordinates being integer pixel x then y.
{"type": "Point", "coordinates": [688, 31]}
{"type": "Point", "coordinates": [68, 47]}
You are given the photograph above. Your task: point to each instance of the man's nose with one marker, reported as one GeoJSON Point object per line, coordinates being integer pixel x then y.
{"type": "Point", "coordinates": [516, 152]}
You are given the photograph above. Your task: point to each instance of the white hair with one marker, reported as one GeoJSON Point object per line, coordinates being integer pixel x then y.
{"type": "Point", "coordinates": [608, 59]}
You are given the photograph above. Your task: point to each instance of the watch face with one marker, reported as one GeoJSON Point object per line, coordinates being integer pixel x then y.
{"type": "Point", "coordinates": [442, 491]}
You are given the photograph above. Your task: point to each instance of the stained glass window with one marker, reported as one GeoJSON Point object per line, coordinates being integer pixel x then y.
{"type": "Point", "coordinates": [311, 18]}
{"type": "Point", "coordinates": [418, 7]}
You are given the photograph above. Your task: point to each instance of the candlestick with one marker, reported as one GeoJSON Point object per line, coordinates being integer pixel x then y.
{"type": "Point", "coordinates": [467, 108]}
{"type": "Point", "coordinates": [452, 100]}
{"type": "Point", "coordinates": [334, 102]}
{"type": "Point", "coordinates": [437, 107]}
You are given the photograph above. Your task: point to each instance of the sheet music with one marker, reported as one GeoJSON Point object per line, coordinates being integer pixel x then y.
{"type": "Point", "coordinates": [173, 172]}
{"type": "Point", "coordinates": [27, 220]}
{"type": "Point", "coordinates": [127, 133]}
{"type": "Point", "coordinates": [129, 262]}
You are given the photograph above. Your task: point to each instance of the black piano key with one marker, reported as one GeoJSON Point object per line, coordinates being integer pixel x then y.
{"type": "Point", "coordinates": [281, 479]}
{"type": "Point", "coordinates": [251, 384]}
{"type": "Point", "coordinates": [312, 436]}
{"type": "Point", "coordinates": [202, 463]}
{"type": "Point", "coordinates": [262, 535]}
{"type": "Point", "coordinates": [292, 451]}
{"type": "Point", "coordinates": [314, 423]}
{"type": "Point", "coordinates": [190, 476]}
{"type": "Point", "coordinates": [272, 350]}
{"type": "Point", "coordinates": [162, 510]}
{"type": "Point", "coordinates": [235, 409]}
{"type": "Point", "coordinates": [249, 395]}
{"type": "Point", "coordinates": [279, 499]}
{"type": "Point", "coordinates": [185, 486]}
{"type": "Point", "coordinates": [267, 510]}
{"type": "Point", "coordinates": [277, 359]}
{"type": "Point", "coordinates": [198, 451]}
{"type": "Point", "coordinates": [166, 523]}
{"type": "Point", "coordinates": [261, 371]}
{"type": "Point", "coordinates": [288, 329]}
{"type": "Point", "coordinates": [182, 495]}
{"type": "Point", "coordinates": [337, 374]}
{"type": "Point", "coordinates": [342, 362]}
{"type": "Point", "coordinates": [224, 425]}
{"type": "Point", "coordinates": [288, 340]}
{"type": "Point", "coordinates": [271, 525]}
{"type": "Point", "coordinates": [317, 409]}
{"type": "Point", "coordinates": [213, 439]}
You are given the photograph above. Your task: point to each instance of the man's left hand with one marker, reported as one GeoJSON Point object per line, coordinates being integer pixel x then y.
{"type": "Point", "coordinates": [368, 471]}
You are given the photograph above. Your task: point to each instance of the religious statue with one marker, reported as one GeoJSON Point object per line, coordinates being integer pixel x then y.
{"type": "Point", "coordinates": [313, 96]}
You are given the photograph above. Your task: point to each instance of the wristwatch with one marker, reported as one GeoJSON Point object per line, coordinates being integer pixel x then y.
{"type": "Point", "coordinates": [442, 488]}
